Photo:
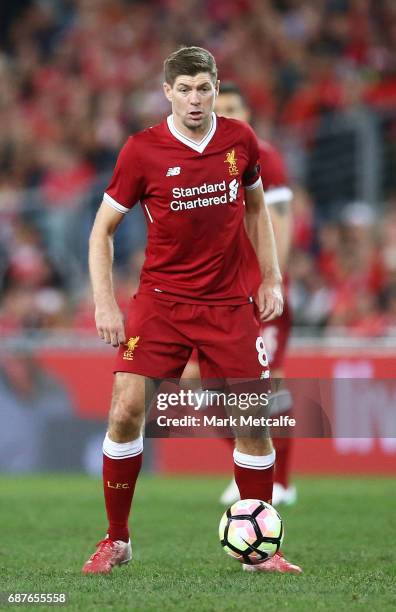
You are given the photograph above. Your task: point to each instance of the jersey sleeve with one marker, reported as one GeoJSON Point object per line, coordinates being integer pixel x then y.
{"type": "Point", "coordinates": [126, 187]}
{"type": "Point", "coordinates": [274, 176]}
{"type": "Point", "coordinates": [251, 177]}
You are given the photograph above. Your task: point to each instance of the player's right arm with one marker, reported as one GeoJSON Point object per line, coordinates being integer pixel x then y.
{"type": "Point", "coordinates": [108, 317]}
{"type": "Point", "coordinates": [124, 191]}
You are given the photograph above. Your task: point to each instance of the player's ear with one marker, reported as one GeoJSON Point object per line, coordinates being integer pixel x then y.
{"type": "Point", "coordinates": [217, 88]}
{"type": "Point", "coordinates": [168, 91]}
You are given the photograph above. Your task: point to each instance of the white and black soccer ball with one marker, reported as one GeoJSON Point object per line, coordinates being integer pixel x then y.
{"type": "Point", "coordinates": [251, 531]}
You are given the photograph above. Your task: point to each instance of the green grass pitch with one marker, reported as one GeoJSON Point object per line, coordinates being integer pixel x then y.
{"type": "Point", "coordinates": [342, 532]}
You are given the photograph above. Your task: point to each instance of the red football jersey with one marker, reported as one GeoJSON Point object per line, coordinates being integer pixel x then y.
{"type": "Point", "coordinates": [193, 198]}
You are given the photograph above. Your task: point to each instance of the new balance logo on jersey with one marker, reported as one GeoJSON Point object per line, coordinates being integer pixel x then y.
{"type": "Point", "coordinates": [173, 171]}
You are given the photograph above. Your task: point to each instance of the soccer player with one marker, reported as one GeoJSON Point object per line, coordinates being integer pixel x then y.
{"type": "Point", "coordinates": [192, 174]}
{"type": "Point", "coordinates": [278, 196]}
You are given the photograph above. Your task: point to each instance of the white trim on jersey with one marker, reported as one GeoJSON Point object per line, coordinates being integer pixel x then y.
{"type": "Point", "coordinates": [114, 204]}
{"type": "Point", "coordinates": [197, 146]}
{"type": "Point", "coordinates": [148, 212]}
{"type": "Point", "coordinates": [275, 195]}
{"type": "Point", "coordinates": [255, 185]}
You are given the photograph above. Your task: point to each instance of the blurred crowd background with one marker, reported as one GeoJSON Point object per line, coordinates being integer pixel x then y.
{"type": "Point", "coordinates": [78, 76]}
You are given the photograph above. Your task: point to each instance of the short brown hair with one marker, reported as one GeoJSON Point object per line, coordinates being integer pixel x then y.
{"type": "Point", "coordinates": [190, 61]}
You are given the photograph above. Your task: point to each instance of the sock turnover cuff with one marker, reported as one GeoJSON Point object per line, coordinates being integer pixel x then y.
{"type": "Point", "coordinates": [254, 462]}
{"type": "Point", "coordinates": [122, 450]}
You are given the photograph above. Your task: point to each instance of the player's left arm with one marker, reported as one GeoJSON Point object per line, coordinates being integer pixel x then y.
{"type": "Point", "coordinates": [282, 224]}
{"type": "Point", "coordinates": [278, 197]}
{"type": "Point", "coordinates": [259, 229]}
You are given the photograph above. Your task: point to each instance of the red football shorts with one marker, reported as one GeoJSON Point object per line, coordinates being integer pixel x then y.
{"type": "Point", "coordinates": [276, 334]}
{"type": "Point", "coordinates": [161, 336]}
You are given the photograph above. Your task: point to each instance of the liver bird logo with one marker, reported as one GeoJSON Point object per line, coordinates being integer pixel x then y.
{"type": "Point", "coordinates": [231, 160]}
{"type": "Point", "coordinates": [131, 345]}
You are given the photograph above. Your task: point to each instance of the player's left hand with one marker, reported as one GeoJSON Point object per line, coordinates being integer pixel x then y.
{"type": "Point", "coordinates": [269, 301]}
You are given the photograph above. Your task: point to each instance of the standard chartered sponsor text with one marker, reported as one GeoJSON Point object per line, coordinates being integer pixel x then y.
{"type": "Point", "coordinates": [206, 188]}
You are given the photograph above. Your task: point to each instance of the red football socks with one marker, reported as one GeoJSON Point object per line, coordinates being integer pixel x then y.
{"type": "Point", "coordinates": [121, 467]}
{"type": "Point", "coordinates": [282, 405]}
{"type": "Point", "coordinates": [254, 475]}
{"type": "Point", "coordinates": [283, 447]}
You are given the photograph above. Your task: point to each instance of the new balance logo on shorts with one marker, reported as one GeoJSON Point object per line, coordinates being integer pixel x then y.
{"type": "Point", "coordinates": [173, 171]}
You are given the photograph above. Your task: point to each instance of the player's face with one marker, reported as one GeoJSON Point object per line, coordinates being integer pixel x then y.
{"type": "Point", "coordinates": [192, 99]}
{"type": "Point", "coordinates": [231, 105]}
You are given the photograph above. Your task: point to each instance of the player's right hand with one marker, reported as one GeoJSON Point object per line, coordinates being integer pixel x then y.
{"type": "Point", "coordinates": [110, 325]}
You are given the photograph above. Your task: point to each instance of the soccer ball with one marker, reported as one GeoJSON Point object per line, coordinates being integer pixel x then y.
{"type": "Point", "coordinates": [251, 531]}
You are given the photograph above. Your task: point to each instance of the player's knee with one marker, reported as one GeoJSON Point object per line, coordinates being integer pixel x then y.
{"type": "Point", "coordinates": [126, 414]}
{"type": "Point", "coordinates": [127, 407]}
{"type": "Point", "coordinates": [126, 417]}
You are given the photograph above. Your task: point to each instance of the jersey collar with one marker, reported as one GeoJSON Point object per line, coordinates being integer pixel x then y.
{"type": "Point", "coordinates": [197, 146]}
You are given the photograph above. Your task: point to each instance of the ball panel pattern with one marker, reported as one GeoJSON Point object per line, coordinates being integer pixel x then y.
{"type": "Point", "coordinates": [251, 531]}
